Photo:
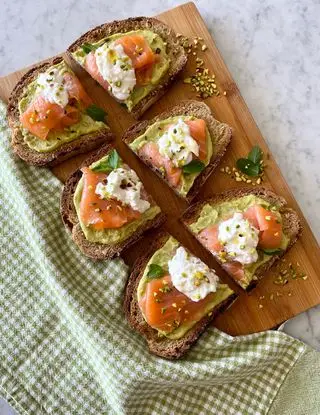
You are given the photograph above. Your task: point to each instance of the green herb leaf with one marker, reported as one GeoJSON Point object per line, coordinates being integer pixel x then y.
{"type": "Point", "coordinates": [96, 113]}
{"type": "Point", "coordinates": [195, 166]}
{"type": "Point", "coordinates": [155, 271]}
{"type": "Point", "coordinates": [114, 159]}
{"type": "Point", "coordinates": [112, 162]}
{"type": "Point", "coordinates": [272, 251]}
{"type": "Point", "coordinates": [248, 167]}
{"type": "Point", "coordinates": [255, 155]}
{"type": "Point", "coordinates": [88, 47]}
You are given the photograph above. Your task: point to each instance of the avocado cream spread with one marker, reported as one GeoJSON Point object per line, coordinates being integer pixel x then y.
{"type": "Point", "coordinates": [213, 214]}
{"type": "Point", "coordinates": [154, 132]}
{"type": "Point", "coordinates": [161, 257]}
{"type": "Point", "coordinates": [114, 235]}
{"type": "Point", "coordinates": [56, 139]}
{"type": "Point", "coordinates": [160, 68]}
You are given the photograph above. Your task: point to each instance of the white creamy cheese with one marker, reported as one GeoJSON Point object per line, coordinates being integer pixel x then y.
{"type": "Point", "coordinates": [177, 144]}
{"type": "Point", "coordinates": [191, 276]}
{"type": "Point", "coordinates": [125, 186]}
{"type": "Point", "coordinates": [51, 86]}
{"type": "Point", "coordinates": [240, 239]}
{"type": "Point", "coordinates": [116, 68]}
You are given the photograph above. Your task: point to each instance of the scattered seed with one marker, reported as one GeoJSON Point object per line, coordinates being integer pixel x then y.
{"type": "Point", "coordinates": [204, 48]}
{"type": "Point", "coordinates": [260, 306]}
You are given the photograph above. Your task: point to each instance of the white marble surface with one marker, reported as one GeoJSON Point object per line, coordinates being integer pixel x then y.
{"type": "Point", "coordinates": [272, 48]}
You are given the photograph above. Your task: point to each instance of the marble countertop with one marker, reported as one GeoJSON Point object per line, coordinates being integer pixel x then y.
{"type": "Point", "coordinates": [272, 49]}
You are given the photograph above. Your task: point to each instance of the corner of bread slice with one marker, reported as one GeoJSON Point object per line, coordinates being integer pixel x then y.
{"type": "Point", "coordinates": [220, 132]}
{"type": "Point", "coordinates": [82, 144]}
{"type": "Point", "coordinates": [163, 346]}
{"type": "Point", "coordinates": [97, 251]}
{"type": "Point", "coordinates": [291, 222]}
{"type": "Point", "coordinates": [176, 53]}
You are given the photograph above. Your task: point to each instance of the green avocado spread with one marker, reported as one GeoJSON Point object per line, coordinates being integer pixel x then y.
{"type": "Point", "coordinates": [213, 214]}
{"type": "Point", "coordinates": [161, 67]}
{"type": "Point", "coordinates": [161, 257]}
{"type": "Point", "coordinates": [155, 131]}
{"type": "Point", "coordinates": [110, 236]}
{"type": "Point", "coordinates": [56, 139]}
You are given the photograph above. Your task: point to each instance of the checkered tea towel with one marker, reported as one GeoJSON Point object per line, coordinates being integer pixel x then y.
{"type": "Point", "coordinates": [65, 346]}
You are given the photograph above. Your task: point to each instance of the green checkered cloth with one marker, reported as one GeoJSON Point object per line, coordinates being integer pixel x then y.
{"type": "Point", "coordinates": [65, 346]}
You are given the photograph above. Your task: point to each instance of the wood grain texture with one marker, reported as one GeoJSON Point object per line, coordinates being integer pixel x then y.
{"type": "Point", "coordinates": [244, 316]}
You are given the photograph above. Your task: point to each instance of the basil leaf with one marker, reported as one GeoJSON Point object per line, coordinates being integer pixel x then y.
{"type": "Point", "coordinates": [195, 166]}
{"type": "Point", "coordinates": [111, 163]}
{"type": "Point", "coordinates": [96, 113]}
{"type": "Point", "coordinates": [114, 159]}
{"type": "Point", "coordinates": [88, 47]}
{"type": "Point", "coordinates": [248, 167]}
{"type": "Point", "coordinates": [155, 271]}
{"type": "Point", "coordinates": [255, 155]}
{"type": "Point", "coordinates": [272, 251]}
{"type": "Point", "coordinates": [102, 167]}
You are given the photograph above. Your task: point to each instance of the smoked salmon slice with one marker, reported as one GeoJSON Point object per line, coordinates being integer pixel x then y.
{"type": "Point", "coordinates": [198, 132]}
{"type": "Point", "coordinates": [267, 222]}
{"type": "Point", "coordinates": [76, 90]}
{"type": "Point", "coordinates": [165, 308]}
{"type": "Point", "coordinates": [235, 269]}
{"type": "Point", "coordinates": [92, 67]}
{"type": "Point", "coordinates": [101, 213]}
{"type": "Point", "coordinates": [43, 116]}
{"type": "Point", "coordinates": [209, 237]}
{"type": "Point", "coordinates": [151, 152]}
{"type": "Point", "coordinates": [138, 50]}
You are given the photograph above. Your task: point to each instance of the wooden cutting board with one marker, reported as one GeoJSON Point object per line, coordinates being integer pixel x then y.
{"type": "Point", "coordinates": [256, 311]}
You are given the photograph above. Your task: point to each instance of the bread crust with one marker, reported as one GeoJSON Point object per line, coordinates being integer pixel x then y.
{"type": "Point", "coordinates": [175, 51]}
{"type": "Point", "coordinates": [220, 131]}
{"type": "Point", "coordinates": [291, 223]}
{"type": "Point", "coordinates": [70, 219]}
{"type": "Point", "coordinates": [83, 144]}
{"type": "Point", "coordinates": [162, 346]}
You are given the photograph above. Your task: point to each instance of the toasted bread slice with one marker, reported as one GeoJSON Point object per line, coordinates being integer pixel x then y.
{"type": "Point", "coordinates": [175, 52]}
{"type": "Point", "coordinates": [163, 346]}
{"type": "Point", "coordinates": [290, 222]}
{"type": "Point", "coordinates": [70, 218]}
{"type": "Point", "coordinates": [82, 144]}
{"type": "Point", "coordinates": [220, 133]}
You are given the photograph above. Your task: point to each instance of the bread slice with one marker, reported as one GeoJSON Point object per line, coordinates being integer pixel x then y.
{"type": "Point", "coordinates": [291, 222]}
{"type": "Point", "coordinates": [80, 145]}
{"type": "Point", "coordinates": [220, 132]}
{"type": "Point", "coordinates": [162, 346]}
{"type": "Point", "coordinates": [70, 218]}
{"type": "Point", "coordinates": [175, 52]}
